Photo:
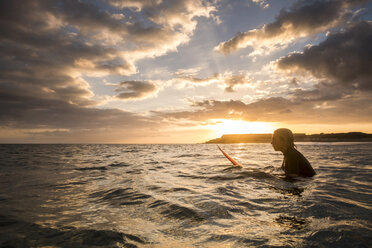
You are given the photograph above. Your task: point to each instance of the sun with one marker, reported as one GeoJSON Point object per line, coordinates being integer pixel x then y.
{"type": "Point", "coordinates": [225, 126]}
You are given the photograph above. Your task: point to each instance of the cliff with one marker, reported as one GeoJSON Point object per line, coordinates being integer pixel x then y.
{"type": "Point", "coordinates": [299, 137]}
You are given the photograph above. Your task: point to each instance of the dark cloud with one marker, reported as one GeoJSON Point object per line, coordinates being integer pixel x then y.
{"type": "Point", "coordinates": [130, 90]}
{"type": "Point", "coordinates": [344, 58]}
{"type": "Point", "coordinates": [302, 19]}
{"type": "Point", "coordinates": [294, 82]}
{"type": "Point", "coordinates": [27, 111]}
{"type": "Point", "coordinates": [233, 81]}
{"type": "Point", "coordinates": [315, 95]}
{"type": "Point", "coordinates": [304, 107]}
{"type": "Point", "coordinates": [49, 47]}
{"type": "Point", "coordinates": [43, 58]}
{"type": "Point", "coordinates": [84, 16]}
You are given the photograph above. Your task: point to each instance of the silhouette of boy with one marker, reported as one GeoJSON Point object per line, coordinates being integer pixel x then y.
{"type": "Point", "coordinates": [294, 163]}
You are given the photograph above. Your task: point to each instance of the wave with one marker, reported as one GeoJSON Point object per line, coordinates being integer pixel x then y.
{"type": "Point", "coordinates": [292, 222]}
{"type": "Point", "coordinates": [191, 176]}
{"type": "Point", "coordinates": [33, 235]}
{"type": "Point", "coordinates": [100, 168]}
{"type": "Point", "coordinates": [202, 211]}
{"type": "Point", "coordinates": [229, 191]}
{"type": "Point", "coordinates": [158, 203]}
{"type": "Point", "coordinates": [340, 236]}
{"type": "Point", "coordinates": [6, 221]}
{"type": "Point", "coordinates": [244, 242]}
{"type": "Point", "coordinates": [120, 164]}
{"type": "Point", "coordinates": [203, 202]}
{"type": "Point", "coordinates": [243, 175]}
{"type": "Point", "coordinates": [178, 190]}
{"type": "Point", "coordinates": [288, 191]}
{"type": "Point", "coordinates": [189, 155]}
{"type": "Point", "coordinates": [212, 209]}
{"type": "Point", "coordinates": [179, 212]}
{"type": "Point", "coordinates": [121, 196]}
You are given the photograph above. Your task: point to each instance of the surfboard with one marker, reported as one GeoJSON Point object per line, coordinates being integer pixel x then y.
{"type": "Point", "coordinates": [233, 161]}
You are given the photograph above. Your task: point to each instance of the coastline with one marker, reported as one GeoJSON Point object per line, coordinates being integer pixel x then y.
{"type": "Point", "coordinates": [299, 137]}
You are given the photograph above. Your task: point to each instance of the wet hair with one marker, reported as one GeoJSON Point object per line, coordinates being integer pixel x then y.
{"type": "Point", "coordinates": [286, 135]}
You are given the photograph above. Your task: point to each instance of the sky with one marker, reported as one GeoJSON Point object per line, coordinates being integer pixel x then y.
{"type": "Point", "coordinates": [182, 71]}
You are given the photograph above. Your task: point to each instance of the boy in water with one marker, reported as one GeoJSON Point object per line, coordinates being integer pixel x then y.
{"type": "Point", "coordinates": [294, 163]}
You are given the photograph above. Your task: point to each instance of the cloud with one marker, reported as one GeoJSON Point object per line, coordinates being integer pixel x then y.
{"type": "Point", "coordinates": [189, 71]}
{"type": "Point", "coordinates": [314, 95]}
{"type": "Point", "coordinates": [343, 59]}
{"type": "Point", "coordinates": [304, 18]}
{"type": "Point", "coordinates": [229, 81]}
{"type": "Point", "coordinates": [168, 13]}
{"type": "Point", "coordinates": [234, 80]}
{"type": "Point", "coordinates": [135, 90]}
{"type": "Point", "coordinates": [261, 3]}
{"type": "Point", "coordinates": [84, 38]}
{"type": "Point", "coordinates": [27, 111]}
{"type": "Point", "coordinates": [262, 110]}
{"type": "Point", "coordinates": [174, 14]}
{"type": "Point", "coordinates": [196, 80]}
{"type": "Point", "coordinates": [293, 110]}
{"type": "Point", "coordinates": [139, 4]}
{"type": "Point", "coordinates": [49, 49]}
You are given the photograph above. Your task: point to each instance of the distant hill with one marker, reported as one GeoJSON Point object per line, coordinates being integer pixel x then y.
{"type": "Point", "coordinates": [299, 137]}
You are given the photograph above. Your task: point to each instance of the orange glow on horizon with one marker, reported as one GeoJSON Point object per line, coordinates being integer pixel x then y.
{"type": "Point", "coordinates": [224, 126]}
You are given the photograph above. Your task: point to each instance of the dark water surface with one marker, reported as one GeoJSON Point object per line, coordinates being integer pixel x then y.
{"type": "Point", "coordinates": [183, 196]}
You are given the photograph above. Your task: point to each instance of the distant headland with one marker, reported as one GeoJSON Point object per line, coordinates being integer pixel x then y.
{"type": "Point", "coordinates": [299, 137]}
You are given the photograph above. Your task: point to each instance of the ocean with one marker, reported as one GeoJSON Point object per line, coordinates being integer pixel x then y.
{"type": "Point", "coordinates": [183, 196]}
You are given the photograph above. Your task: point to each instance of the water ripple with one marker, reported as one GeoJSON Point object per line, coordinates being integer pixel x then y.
{"type": "Point", "coordinates": [183, 195]}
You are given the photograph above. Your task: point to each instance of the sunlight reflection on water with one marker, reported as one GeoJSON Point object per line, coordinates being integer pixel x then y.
{"type": "Point", "coordinates": [183, 195]}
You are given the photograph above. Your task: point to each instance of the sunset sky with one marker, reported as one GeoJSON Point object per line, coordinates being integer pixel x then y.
{"type": "Point", "coordinates": [182, 71]}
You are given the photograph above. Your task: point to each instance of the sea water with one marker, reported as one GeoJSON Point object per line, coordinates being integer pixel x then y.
{"type": "Point", "coordinates": [183, 196]}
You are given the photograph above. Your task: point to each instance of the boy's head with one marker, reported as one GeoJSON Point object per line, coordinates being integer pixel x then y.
{"type": "Point", "coordinates": [282, 139]}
